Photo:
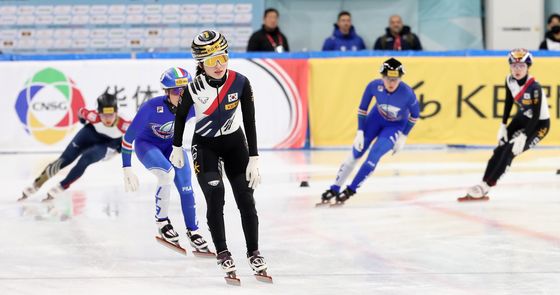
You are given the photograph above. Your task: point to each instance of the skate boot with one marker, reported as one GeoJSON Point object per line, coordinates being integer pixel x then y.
{"type": "Point", "coordinates": [53, 193]}
{"type": "Point", "coordinates": [326, 197]}
{"type": "Point", "coordinates": [28, 191]}
{"type": "Point", "coordinates": [199, 244]}
{"type": "Point", "coordinates": [258, 265]}
{"type": "Point", "coordinates": [476, 193]}
{"type": "Point", "coordinates": [168, 237]}
{"type": "Point", "coordinates": [228, 266]}
{"type": "Point", "coordinates": [344, 196]}
{"type": "Point", "coordinates": [167, 232]}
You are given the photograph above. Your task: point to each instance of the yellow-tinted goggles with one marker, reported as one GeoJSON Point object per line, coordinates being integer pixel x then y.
{"type": "Point", "coordinates": [212, 61]}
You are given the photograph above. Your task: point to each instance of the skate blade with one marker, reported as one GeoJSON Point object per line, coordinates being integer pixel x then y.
{"type": "Point", "coordinates": [202, 254]}
{"type": "Point", "coordinates": [323, 204]}
{"type": "Point", "coordinates": [23, 198]}
{"type": "Point", "coordinates": [47, 200]}
{"type": "Point", "coordinates": [232, 279]}
{"type": "Point", "coordinates": [263, 277]}
{"type": "Point", "coordinates": [175, 247]}
{"type": "Point", "coordinates": [473, 199]}
{"type": "Point", "coordinates": [335, 205]}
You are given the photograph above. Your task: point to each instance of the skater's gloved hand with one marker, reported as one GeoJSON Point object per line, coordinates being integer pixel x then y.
{"type": "Point", "coordinates": [502, 133]}
{"type": "Point", "coordinates": [130, 180]}
{"type": "Point", "coordinates": [359, 141]}
{"type": "Point", "coordinates": [398, 142]}
{"type": "Point", "coordinates": [177, 158]}
{"type": "Point", "coordinates": [252, 174]}
{"type": "Point", "coordinates": [518, 143]}
{"type": "Point", "coordinates": [86, 116]}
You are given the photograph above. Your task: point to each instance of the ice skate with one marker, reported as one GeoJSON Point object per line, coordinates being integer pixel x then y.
{"type": "Point", "coordinates": [228, 266]}
{"type": "Point", "coordinates": [258, 265]}
{"type": "Point", "coordinates": [326, 197]}
{"type": "Point", "coordinates": [27, 192]}
{"type": "Point", "coordinates": [53, 193]}
{"type": "Point", "coordinates": [199, 244]}
{"type": "Point", "coordinates": [476, 193]}
{"type": "Point", "coordinates": [343, 197]}
{"type": "Point", "coordinates": [168, 237]}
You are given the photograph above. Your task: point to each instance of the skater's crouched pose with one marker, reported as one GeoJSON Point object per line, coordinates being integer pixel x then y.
{"type": "Point", "coordinates": [529, 126]}
{"type": "Point", "coordinates": [151, 131]}
{"type": "Point", "coordinates": [391, 118]}
{"type": "Point", "coordinates": [99, 139]}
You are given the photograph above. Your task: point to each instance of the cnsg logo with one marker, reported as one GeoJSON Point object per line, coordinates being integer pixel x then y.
{"type": "Point", "coordinates": [48, 105]}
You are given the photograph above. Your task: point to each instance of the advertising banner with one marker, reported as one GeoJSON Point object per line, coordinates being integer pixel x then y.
{"type": "Point", "coordinates": [41, 98]}
{"type": "Point", "coordinates": [461, 98]}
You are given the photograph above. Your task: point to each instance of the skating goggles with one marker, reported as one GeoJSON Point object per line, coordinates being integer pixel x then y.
{"type": "Point", "coordinates": [212, 61]}
{"type": "Point", "coordinates": [107, 116]}
{"type": "Point", "coordinates": [391, 79]}
{"type": "Point", "coordinates": [518, 65]}
{"type": "Point", "coordinates": [176, 91]}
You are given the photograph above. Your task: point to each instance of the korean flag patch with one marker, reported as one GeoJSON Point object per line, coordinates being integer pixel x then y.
{"type": "Point", "coordinates": [232, 97]}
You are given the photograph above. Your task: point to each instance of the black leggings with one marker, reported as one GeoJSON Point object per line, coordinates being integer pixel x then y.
{"type": "Point", "coordinates": [207, 152]}
{"type": "Point", "coordinates": [87, 143]}
{"type": "Point", "coordinates": [503, 156]}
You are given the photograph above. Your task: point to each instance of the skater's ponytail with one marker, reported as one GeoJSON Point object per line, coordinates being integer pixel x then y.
{"type": "Point", "coordinates": [199, 69]}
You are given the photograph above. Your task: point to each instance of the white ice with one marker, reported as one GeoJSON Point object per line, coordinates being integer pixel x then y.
{"type": "Point", "coordinates": [403, 233]}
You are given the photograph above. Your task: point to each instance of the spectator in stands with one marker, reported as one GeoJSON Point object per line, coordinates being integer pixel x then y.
{"type": "Point", "coordinates": [397, 37]}
{"type": "Point", "coordinates": [552, 37]}
{"type": "Point", "coordinates": [344, 37]}
{"type": "Point", "coordinates": [553, 20]}
{"type": "Point", "coordinates": [269, 37]}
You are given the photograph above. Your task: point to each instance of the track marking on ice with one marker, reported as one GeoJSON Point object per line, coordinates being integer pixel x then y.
{"type": "Point", "coordinates": [477, 219]}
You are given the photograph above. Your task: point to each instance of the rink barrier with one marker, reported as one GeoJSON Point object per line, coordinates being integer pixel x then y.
{"type": "Point", "coordinates": [280, 68]}
{"type": "Point", "coordinates": [273, 55]}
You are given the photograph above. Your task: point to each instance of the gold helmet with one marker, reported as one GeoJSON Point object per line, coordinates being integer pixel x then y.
{"type": "Point", "coordinates": [208, 43]}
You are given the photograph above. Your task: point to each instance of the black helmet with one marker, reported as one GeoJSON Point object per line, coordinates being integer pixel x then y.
{"type": "Point", "coordinates": [208, 43]}
{"type": "Point", "coordinates": [107, 103]}
{"type": "Point", "coordinates": [392, 68]}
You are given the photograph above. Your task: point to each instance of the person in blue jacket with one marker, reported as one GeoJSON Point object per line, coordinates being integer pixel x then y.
{"type": "Point", "coordinates": [152, 133]}
{"type": "Point", "coordinates": [344, 37]}
{"type": "Point", "coordinates": [394, 113]}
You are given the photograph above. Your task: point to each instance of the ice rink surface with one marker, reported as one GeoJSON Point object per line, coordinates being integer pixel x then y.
{"type": "Point", "coordinates": [403, 233]}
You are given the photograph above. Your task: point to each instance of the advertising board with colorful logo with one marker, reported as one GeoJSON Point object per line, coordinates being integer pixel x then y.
{"type": "Point", "coordinates": [47, 105]}
{"type": "Point", "coordinates": [43, 97]}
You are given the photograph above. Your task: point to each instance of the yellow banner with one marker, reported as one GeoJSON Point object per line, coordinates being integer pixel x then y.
{"type": "Point", "coordinates": [461, 98]}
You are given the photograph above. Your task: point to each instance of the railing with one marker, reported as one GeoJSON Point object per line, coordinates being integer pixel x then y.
{"type": "Point", "coordinates": [294, 55]}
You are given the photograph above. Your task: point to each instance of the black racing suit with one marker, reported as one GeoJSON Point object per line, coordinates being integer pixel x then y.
{"type": "Point", "coordinates": [218, 137]}
{"type": "Point", "coordinates": [531, 119]}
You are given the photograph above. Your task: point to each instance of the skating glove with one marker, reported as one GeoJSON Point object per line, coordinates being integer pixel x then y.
{"type": "Point", "coordinates": [130, 180]}
{"type": "Point", "coordinates": [359, 141]}
{"type": "Point", "coordinates": [398, 142]}
{"type": "Point", "coordinates": [502, 133]}
{"type": "Point", "coordinates": [518, 144]}
{"type": "Point", "coordinates": [252, 173]}
{"type": "Point", "coordinates": [177, 157]}
{"type": "Point", "coordinates": [87, 116]}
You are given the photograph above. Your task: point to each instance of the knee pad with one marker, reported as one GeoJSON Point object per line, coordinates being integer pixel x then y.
{"type": "Point", "coordinates": [164, 177]}
{"type": "Point", "coordinates": [213, 188]}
